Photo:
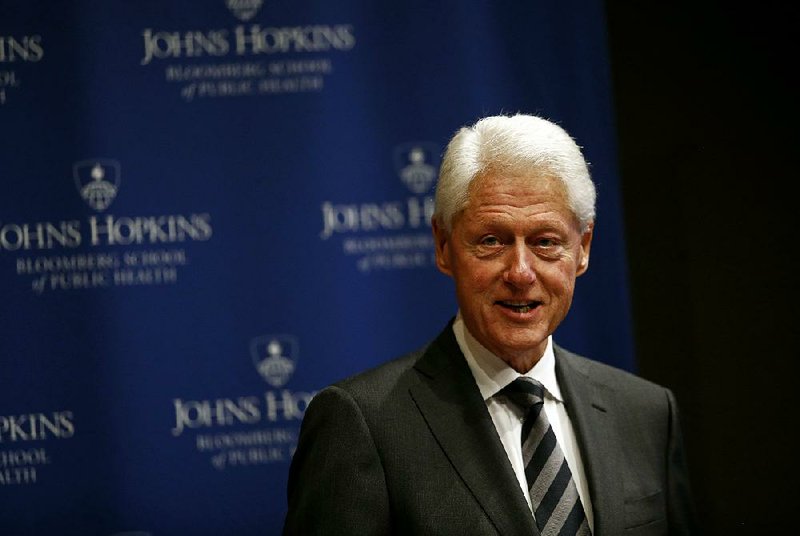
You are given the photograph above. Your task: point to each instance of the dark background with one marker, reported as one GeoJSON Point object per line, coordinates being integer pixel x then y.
{"type": "Point", "coordinates": [707, 142]}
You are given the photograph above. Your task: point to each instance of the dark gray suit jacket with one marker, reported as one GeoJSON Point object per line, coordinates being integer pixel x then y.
{"type": "Point", "coordinates": [409, 448]}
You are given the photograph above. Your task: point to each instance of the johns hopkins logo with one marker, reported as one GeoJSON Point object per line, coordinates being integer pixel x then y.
{"type": "Point", "coordinates": [244, 10]}
{"type": "Point", "coordinates": [417, 165]}
{"type": "Point", "coordinates": [274, 357]}
{"type": "Point", "coordinates": [97, 181]}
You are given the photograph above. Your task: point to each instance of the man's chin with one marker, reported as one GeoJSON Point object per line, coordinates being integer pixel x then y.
{"type": "Point", "coordinates": [515, 346]}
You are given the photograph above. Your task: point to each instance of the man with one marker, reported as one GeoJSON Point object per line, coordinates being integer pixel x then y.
{"type": "Point", "coordinates": [442, 441]}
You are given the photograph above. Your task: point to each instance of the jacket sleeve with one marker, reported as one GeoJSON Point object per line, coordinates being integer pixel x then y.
{"type": "Point", "coordinates": [336, 478]}
{"type": "Point", "coordinates": [682, 518]}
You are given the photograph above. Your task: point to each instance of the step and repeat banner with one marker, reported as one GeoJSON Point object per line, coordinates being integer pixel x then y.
{"type": "Point", "coordinates": [211, 209]}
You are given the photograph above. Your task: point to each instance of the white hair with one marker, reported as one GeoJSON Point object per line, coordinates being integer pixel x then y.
{"type": "Point", "coordinates": [516, 145]}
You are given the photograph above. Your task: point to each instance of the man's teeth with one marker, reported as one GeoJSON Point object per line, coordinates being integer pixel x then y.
{"type": "Point", "coordinates": [519, 307]}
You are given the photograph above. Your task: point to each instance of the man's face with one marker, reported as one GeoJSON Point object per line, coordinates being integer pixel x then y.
{"type": "Point", "coordinates": [514, 254]}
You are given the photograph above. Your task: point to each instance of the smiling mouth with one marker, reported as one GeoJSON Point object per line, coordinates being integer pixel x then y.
{"type": "Point", "coordinates": [519, 306]}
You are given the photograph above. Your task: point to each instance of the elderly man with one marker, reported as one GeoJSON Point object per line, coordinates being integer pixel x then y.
{"type": "Point", "coordinates": [492, 428]}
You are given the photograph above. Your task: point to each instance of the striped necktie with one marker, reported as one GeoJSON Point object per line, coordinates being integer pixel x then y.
{"type": "Point", "coordinates": [556, 505]}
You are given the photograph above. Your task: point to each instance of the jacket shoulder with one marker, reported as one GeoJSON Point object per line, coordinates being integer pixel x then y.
{"type": "Point", "coordinates": [608, 374]}
{"type": "Point", "coordinates": [380, 380]}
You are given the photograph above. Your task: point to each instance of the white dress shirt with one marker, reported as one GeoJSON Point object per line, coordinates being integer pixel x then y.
{"type": "Point", "coordinates": [492, 374]}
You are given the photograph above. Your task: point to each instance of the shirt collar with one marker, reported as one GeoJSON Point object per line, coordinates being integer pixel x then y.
{"type": "Point", "coordinates": [492, 374]}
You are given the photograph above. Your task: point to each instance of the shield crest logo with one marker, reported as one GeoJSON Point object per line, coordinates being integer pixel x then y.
{"type": "Point", "coordinates": [97, 181]}
{"type": "Point", "coordinates": [244, 10]}
{"type": "Point", "coordinates": [417, 165]}
{"type": "Point", "coordinates": [275, 358]}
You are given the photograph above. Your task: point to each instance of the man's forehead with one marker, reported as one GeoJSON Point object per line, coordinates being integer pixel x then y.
{"type": "Point", "coordinates": [515, 191]}
{"type": "Point", "coordinates": [534, 180]}
{"type": "Point", "coordinates": [539, 202]}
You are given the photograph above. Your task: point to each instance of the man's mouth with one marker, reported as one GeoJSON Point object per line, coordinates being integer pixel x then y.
{"type": "Point", "coordinates": [519, 306]}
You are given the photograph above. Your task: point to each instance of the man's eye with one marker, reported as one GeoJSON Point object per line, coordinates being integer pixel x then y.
{"type": "Point", "coordinates": [490, 241]}
{"type": "Point", "coordinates": [546, 242]}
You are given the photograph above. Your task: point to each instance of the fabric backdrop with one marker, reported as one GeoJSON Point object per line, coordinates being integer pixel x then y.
{"type": "Point", "coordinates": [212, 209]}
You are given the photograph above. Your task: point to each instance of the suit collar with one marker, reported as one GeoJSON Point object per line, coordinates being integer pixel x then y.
{"type": "Point", "coordinates": [590, 406]}
{"type": "Point", "coordinates": [450, 402]}
{"type": "Point", "coordinates": [492, 374]}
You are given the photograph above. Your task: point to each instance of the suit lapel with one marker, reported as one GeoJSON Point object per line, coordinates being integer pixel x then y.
{"type": "Point", "coordinates": [589, 405]}
{"type": "Point", "coordinates": [451, 404]}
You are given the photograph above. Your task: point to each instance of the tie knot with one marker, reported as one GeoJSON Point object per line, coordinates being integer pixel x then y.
{"type": "Point", "coordinates": [524, 392]}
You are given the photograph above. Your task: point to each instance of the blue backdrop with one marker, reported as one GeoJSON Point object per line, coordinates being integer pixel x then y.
{"type": "Point", "coordinates": [211, 209]}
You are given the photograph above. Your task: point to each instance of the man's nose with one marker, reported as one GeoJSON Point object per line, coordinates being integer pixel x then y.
{"type": "Point", "coordinates": [519, 271]}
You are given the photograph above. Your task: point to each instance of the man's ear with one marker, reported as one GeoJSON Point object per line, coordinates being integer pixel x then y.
{"type": "Point", "coordinates": [586, 246]}
{"type": "Point", "coordinates": [441, 239]}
